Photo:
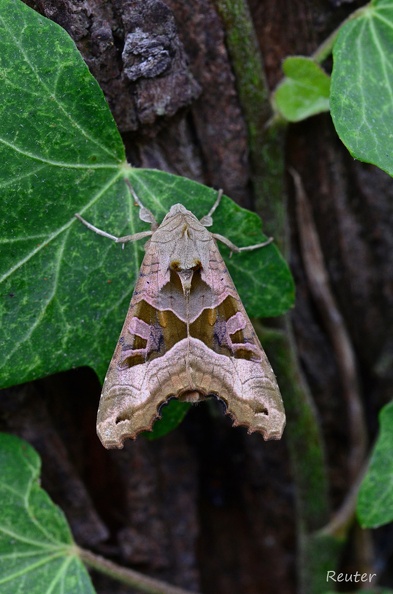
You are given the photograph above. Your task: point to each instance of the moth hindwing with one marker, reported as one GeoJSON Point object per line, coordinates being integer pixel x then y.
{"type": "Point", "coordinates": [186, 335]}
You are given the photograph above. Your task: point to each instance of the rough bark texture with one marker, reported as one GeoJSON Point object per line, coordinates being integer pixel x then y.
{"type": "Point", "coordinates": [208, 507]}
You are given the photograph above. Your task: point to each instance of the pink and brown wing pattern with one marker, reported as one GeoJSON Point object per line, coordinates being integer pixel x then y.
{"type": "Point", "coordinates": [187, 344]}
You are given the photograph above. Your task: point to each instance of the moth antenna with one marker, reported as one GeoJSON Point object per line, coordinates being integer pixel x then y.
{"type": "Point", "coordinates": [144, 214]}
{"type": "Point", "coordinates": [207, 220]}
{"type": "Point", "coordinates": [217, 202]}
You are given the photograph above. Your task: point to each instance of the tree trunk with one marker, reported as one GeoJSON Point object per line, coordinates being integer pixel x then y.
{"type": "Point", "coordinates": [209, 508]}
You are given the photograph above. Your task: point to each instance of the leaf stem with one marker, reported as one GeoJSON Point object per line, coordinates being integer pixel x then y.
{"type": "Point", "coordinates": [127, 576]}
{"type": "Point", "coordinates": [319, 55]}
{"type": "Point", "coordinates": [326, 47]}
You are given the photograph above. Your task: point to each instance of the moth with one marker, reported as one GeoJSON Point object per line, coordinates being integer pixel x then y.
{"type": "Point", "coordinates": [186, 335]}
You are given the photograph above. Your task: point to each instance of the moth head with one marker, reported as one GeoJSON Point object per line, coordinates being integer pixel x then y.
{"type": "Point", "coordinates": [181, 212]}
{"type": "Point", "coordinates": [177, 209]}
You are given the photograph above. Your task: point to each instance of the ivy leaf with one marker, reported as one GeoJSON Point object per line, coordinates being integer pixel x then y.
{"type": "Point", "coordinates": [59, 147]}
{"type": "Point", "coordinates": [37, 552]}
{"type": "Point", "coordinates": [305, 90]}
{"type": "Point", "coordinates": [65, 290]}
{"type": "Point", "coordinates": [375, 500]}
{"type": "Point", "coordinates": [362, 85]}
{"type": "Point", "coordinates": [172, 415]}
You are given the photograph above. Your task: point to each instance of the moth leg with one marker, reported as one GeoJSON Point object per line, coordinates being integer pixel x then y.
{"type": "Point", "coordinates": [95, 229]}
{"type": "Point", "coordinates": [134, 237]}
{"type": "Point", "coordinates": [124, 239]}
{"type": "Point", "coordinates": [144, 214]}
{"type": "Point", "coordinates": [236, 249]}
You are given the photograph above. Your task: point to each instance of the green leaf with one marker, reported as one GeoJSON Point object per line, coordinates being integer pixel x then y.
{"type": "Point", "coordinates": [305, 90]}
{"type": "Point", "coordinates": [59, 147]}
{"type": "Point", "coordinates": [37, 553]}
{"type": "Point", "coordinates": [375, 500]}
{"type": "Point", "coordinates": [172, 414]}
{"type": "Point", "coordinates": [66, 290]}
{"type": "Point", "coordinates": [362, 85]}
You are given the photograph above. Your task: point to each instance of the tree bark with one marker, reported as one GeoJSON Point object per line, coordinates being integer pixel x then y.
{"type": "Point", "coordinates": [209, 508]}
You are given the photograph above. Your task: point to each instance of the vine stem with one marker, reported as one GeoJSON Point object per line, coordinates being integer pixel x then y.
{"type": "Point", "coordinates": [265, 142]}
{"type": "Point", "coordinates": [318, 281]}
{"type": "Point", "coordinates": [127, 576]}
{"type": "Point", "coordinates": [342, 520]}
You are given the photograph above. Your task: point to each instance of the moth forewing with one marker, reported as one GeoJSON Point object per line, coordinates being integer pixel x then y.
{"type": "Point", "coordinates": [186, 335]}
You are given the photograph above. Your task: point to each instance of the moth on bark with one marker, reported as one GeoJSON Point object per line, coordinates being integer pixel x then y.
{"type": "Point", "coordinates": [186, 335]}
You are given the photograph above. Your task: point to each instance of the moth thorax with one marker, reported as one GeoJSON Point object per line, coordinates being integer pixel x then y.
{"type": "Point", "coordinates": [177, 265]}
